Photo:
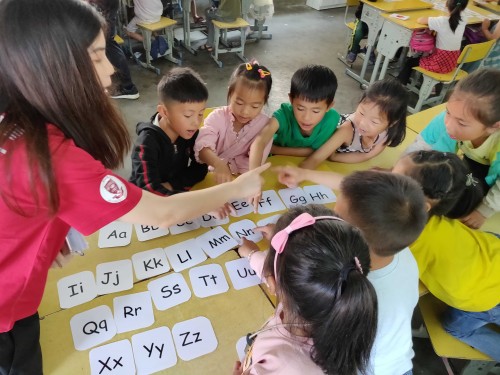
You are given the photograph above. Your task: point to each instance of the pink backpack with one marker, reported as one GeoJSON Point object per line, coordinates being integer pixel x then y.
{"type": "Point", "coordinates": [422, 41]}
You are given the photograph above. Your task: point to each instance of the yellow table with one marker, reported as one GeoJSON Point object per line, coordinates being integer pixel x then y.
{"type": "Point", "coordinates": [233, 314]}
{"type": "Point", "coordinates": [491, 6]}
{"type": "Point", "coordinates": [418, 121]}
{"type": "Point", "coordinates": [372, 16]}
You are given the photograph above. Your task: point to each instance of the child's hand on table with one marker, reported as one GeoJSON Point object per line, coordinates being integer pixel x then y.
{"type": "Point", "coordinates": [222, 173]}
{"type": "Point", "coordinates": [222, 212]}
{"type": "Point", "coordinates": [267, 231]}
{"type": "Point", "coordinates": [247, 247]}
{"type": "Point", "coordinates": [289, 176]}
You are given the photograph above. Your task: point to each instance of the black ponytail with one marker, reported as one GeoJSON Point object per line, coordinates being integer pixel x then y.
{"type": "Point", "coordinates": [455, 8]}
{"type": "Point", "coordinates": [447, 181]}
{"type": "Point", "coordinates": [323, 288]}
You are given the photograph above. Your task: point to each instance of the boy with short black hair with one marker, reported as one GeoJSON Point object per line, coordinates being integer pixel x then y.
{"type": "Point", "coordinates": [391, 213]}
{"type": "Point", "coordinates": [307, 122]}
{"type": "Point", "coordinates": [163, 159]}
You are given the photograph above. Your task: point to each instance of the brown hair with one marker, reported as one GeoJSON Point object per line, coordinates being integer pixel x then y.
{"type": "Point", "coordinates": [52, 80]}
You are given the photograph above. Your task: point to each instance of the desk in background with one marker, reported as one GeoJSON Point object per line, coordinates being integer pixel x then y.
{"type": "Point", "coordinates": [491, 6]}
{"type": "Point", "coordinates": [372, 16]}
{"type": "Point", "coordinates": [396, 33]}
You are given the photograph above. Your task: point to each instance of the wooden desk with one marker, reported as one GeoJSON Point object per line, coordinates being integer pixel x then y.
{"type": "Point", "coordinates": [491, 6]}
{"type": "Point", "coordinates": [372, 16]}
{"type": "Point", "coordinates": [396, 33]}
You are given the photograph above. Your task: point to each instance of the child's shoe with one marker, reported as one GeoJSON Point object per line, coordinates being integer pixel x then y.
{"type": "Point", "coordinates": [351, 57]}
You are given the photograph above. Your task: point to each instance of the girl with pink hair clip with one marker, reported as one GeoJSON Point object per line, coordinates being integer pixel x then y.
{"type": "Point", "coordinates": [326, 320]}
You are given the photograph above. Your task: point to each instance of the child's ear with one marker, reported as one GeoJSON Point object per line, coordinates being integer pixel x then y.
{"type": "Point", "coordinates": [162, 110]}
{"type": "Point", "coordinates": [271, 284]}
{"type": "Point", "coordinates": [428, 205]}
{"type": "Point", "coordinates": [290, 98]}
{"type": "Point", "coordinates": [331, 105]}
{"type": "Point", "coordinates": [494, 128]}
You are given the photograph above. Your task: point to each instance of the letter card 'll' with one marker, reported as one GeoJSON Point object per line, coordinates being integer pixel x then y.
{"type": "Point", "coordinates": [185, 254]}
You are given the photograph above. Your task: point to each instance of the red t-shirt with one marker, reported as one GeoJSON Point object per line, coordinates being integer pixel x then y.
{"type": "Point", "coordinates": [90, 197]}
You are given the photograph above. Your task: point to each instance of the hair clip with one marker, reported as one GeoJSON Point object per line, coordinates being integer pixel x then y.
{"type": "Point", "coordinates": [279, 240]}
{"type": "Point", "coordinates": [471, 180]}
{"type": "Point", "coordinates": [249, 66]}
{"type": "Point", "coordinates": [263, 73]}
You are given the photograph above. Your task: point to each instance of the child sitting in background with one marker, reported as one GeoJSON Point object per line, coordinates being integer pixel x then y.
{"type": "Point", "coordinates": [145, 11]}
{"type": "Point", "coordinates": [449, 32]}
{"type": "Point", "coordinates": [458, 265]}
{"type": "Point", "coordinates": [163, 159]}
{"type": "Point", "coordinates": [327, 316]}
{"type": "Point", "coordinates": [307, 122]}
{"type": "Point", "coordinates": [470, 125]}
{"type": "Point", "coordinates": [390, 212]}
{"type": "Point", "coordinates": [379, 121]}
{"type": "Point", "coordinates": [228, 132]}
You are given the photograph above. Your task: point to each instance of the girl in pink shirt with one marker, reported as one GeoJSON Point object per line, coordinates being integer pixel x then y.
{"type": "Point", "coordinates": [327, 316]}
{"type": "Point", "coordinates": [228, 132]}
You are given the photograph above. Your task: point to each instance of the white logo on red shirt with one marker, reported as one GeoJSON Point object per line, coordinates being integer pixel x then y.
{"type": "Point", "coordinates": [112, 189]}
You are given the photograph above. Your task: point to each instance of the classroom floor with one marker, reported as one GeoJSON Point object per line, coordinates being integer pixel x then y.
{"type": "Point", "coordinates": [300, 36]}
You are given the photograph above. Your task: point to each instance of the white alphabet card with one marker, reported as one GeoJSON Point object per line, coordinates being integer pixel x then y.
{"type": "Point", "coordinates": [133, 311]}
{"type": "Point", "coordinates": [320, 194]}
{"type": "Point", "coordinates": [116, 358]}
{"type": "Point", "coordinates": [112, 277]}
{"type": "Point", "coordinates": [115, 234]}
{"type": "Point", "coordinates": [154, 350]}
{"type": "Point", "coordinates": [150, 263]}
{"type": "Point", "coordinates": [169, 291]}
{"type": "Point", "coordinates": [268, 220]}
{"type": "Point", "coordinates": [208, 280]}
{"type": "Point", "coordinates": [270, 202]}
{"type": "Point", "coordinates": [241, 274]}
{"type": "Point", "coordinates": [76, 289]}
{"type": "Point", "coordinates": [216, 242]}
{"type": "Point", "coordinates": [241, 345]}
{"type": "Point", "coordinates": [187, 226]}
{"type": "Point", "coordinates": [149, 232]}
{"type": "Point", "coordinates": [244, 229]}
{"type": "Point", "coordinates": [209, 221]}
{"type": "Point", "coordinates": [293, 197]}
{"type": "Point", "coordinates": [92, 327]}
{"type": "Point", "coordinates": [185, 254]}
{"type": "Point", "coordinates": [241, 207]}
{"type": "Point", "coordinates": [194, 338]}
